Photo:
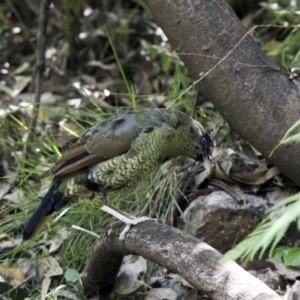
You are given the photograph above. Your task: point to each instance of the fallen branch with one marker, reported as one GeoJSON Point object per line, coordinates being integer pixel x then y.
{"type": "Point", "coordinates": [177, 251]}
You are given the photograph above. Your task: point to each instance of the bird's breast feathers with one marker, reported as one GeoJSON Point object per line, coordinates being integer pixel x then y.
{"type": "Point", "coordinates": [125, 170]}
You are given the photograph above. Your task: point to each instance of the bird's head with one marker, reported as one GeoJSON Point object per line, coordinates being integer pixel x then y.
{"type": "Point", "coordinates": [198, 144]}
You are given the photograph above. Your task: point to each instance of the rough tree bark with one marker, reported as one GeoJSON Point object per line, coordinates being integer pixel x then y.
{"type": "Point", "coordinates": [194, 260]}
{"type": "Point", "coordinates": [259, 101]}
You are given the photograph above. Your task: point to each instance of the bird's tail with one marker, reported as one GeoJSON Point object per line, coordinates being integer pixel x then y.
{"type": "Point", "coordinates": [52, 201]}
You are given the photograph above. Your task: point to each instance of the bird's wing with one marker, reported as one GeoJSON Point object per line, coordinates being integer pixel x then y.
{"type": "Point", "coordinates": [110, 138]}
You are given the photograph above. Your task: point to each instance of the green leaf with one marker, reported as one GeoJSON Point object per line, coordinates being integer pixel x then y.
{"type": "Point", "coordinates": [269, 232]}
{"type": "Point", "coordinates": [153, 52]}
{"type": "Point", "coordinates": [125, 30]}
{"type": "Point", "coordinates": [292, 257]}
{"type": "Point", "coordinates": [279, 252]}
{"type": "Point", "coordinates": [295, 125]}
{"type": "Point", "coordinates": [166, 63]}
{"type": "Point", "coordinates": [293, 138]}
{"type": "Point", "coordinates": [72, 275]}
{"type": "Point", "coordinates": [285, 138]}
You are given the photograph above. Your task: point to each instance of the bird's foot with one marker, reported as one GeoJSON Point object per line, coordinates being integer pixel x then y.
{"type": "Point", "coordinates": [125, 218]}
{"type": "Point", "coordinates": [133, 222]}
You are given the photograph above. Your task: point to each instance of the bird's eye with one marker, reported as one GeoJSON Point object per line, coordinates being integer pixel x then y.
{"type": "Point", "coordinates": [204, 141]}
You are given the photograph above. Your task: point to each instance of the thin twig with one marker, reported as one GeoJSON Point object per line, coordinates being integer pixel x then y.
{"type": "Point", "coordinates": [192, 115]}
{"type": "Point", "coordinates": [40, 67]}
{"type": "Point", "coordinates": [203, 75]}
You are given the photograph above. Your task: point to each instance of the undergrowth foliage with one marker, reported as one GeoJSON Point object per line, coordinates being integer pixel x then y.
{"type": "Point", "coordinates": [270, 231]}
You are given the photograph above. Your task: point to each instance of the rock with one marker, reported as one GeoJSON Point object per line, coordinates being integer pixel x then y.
{"type": "Point", "coordinates": [220, 221]}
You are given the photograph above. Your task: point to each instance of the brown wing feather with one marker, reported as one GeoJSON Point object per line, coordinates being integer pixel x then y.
{"type": "Point", "coordinates": [80, 157]}
{"type": "Point", "coordinates": [69, 167]}
{"type": "Point", "coordinates": [107, 147]}
{"type": "Point", "coordinates": [68, 161]}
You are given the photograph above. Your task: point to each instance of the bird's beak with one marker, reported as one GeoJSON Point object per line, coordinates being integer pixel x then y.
{"type": "Point", "coordinates": [207, 164]}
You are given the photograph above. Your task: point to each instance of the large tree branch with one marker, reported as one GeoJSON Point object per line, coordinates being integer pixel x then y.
{"type": "Point", "coordinates": [259, 101]}
{"type": "Point", "coordinates": [179, 252]}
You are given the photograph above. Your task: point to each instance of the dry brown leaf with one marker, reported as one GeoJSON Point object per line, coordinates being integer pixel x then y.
{"type": "Point", "coordinates": [58, 240]}
{"type": "Point", "coordinates": [20, 85]}
{"type": "Point", "coordinates": [257, 178]}
{"type": "Point", "coordinates": [250, 152]}
{"type": "Point", "coordinates": [5, 186]}
{"type": "Point", "coordinates": [15, 196]}
{"type": "Point", "coordinates": [6, 90]}
{"type": "Point", "coordinates": [45, 287]}
{"type": "Point", "coordinates": [260, 176]}
{"type": "Point", "coordinates": [106, 67]}
{"type": "Point", "coordinates": [49, 266]}
{"type": "Point", "coordinates": [220, 174]}
{"type": "Point", "coordinates": [199, 178]}
{"type": "Point", "coordinates": [13, 276]}
{"type": "Point", "coordinates": [9, 244]}
{"type": "Point", "coordinates": [22, 68]}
